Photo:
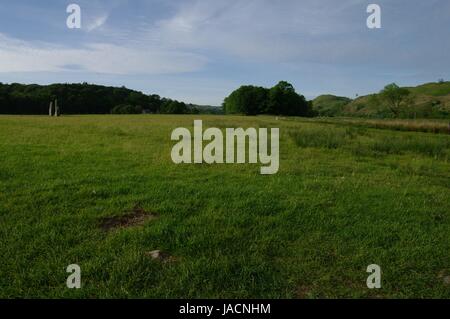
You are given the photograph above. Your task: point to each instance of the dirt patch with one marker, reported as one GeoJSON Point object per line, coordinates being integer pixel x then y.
{"type": "Point", "coordinates": [304, 292]}
{"type": "Point", "coordinates": [138, 216]}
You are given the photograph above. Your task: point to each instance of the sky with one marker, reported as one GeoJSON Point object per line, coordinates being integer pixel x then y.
{"type": "Point", "coordinates": [199, 51]}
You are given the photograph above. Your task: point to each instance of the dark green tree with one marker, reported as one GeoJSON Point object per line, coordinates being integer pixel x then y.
{"type": "Point", "coordinates": [279, 100]}
{"type": "Point", "coordinates": [248, 100]}
{"type": "Point", "coordinates": [283, 100]}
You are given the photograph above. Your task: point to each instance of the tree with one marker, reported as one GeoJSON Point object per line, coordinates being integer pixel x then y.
{"type": "Point", "coordinates": [394, 96]}
{"type": "Point", "coordinates": [283, 100]}
{"type": "Point", "coordinates": [279, 100]}
{"type": "Point", "coordinates": [154, 103]}
{"type": "Point", "coordinates": [248, 100]}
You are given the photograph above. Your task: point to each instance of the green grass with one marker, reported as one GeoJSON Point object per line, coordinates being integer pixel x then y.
{"type": "Point", "coordinates": [432, 89]}
{"type": "Point", "coordinates": [345, 197]}
{"type": "Point", "coordinates": [423, 125]}
{"type": "Point", "coordinates": [330, 105]}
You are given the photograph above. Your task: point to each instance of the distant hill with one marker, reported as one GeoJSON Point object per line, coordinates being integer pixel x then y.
{"type": "Point", "coordinates": [430, 100]}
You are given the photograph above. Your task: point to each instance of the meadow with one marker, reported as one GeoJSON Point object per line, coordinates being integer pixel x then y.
{"type": "Point", "coordinates": [347, 195]}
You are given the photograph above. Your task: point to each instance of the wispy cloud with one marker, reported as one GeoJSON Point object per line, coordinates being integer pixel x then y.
{"type": "Point", "coordinates": [97, 23]}
{"type": "Point", "coordinates": [25, 56]}
{"type": "Point", "coordinates": [260, 29]}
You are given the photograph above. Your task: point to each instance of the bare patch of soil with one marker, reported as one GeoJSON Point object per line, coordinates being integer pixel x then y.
{"type": "Point", "coordinates": [137, 217]}
{"type": "Point", "coordinates": [303, 292]}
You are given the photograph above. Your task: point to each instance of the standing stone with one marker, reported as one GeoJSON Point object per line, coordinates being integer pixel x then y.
{"type": "Point", "coordinates": [56, 108]}
{"type": "Point", "coordinates": [50, 109]}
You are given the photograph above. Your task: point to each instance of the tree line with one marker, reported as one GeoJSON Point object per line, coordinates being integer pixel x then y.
{"type": "Point", "coordinates": [84, 99]}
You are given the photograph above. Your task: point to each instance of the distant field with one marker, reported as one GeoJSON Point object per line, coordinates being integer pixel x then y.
{"type": "Point", "coordinates": [346, 196]}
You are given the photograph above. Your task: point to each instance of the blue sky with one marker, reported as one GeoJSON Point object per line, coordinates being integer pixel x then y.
{"type": "Point", "coordinates": [200, 50]}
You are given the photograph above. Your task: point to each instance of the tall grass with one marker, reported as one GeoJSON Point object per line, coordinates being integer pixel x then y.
{"type": "Point", "coordinates": [426, 126]}
{"type": "Point", "coordinates": [359, 141]}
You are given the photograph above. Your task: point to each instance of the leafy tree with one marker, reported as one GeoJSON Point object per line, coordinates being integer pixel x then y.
{"type": "Point", "coordinates": [283, 100]}
{"type": "Point", "coordinates": [394, 96]}
{"type": "Point", "coordinates": [154, 103]}
{"type": "Point", "coordinates": [248, 99]}
{"type": "Point", "coordinates": [279, 100]}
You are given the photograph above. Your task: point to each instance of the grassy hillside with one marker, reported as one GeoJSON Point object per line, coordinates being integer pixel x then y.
{"type": "Point", "coordinates": [432, 89]}
{"type": "Point", "coordinates": [431, 100]}
{"type": "Point", "coordinates": [330, 105]}
{"type": "Point", "coordinates": [345, 197]}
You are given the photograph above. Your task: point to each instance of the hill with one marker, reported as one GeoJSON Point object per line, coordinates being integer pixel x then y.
{"type": "Point", "coordinates": [430, 100]}
{"type": "Point", "coordinates": [330, 105]}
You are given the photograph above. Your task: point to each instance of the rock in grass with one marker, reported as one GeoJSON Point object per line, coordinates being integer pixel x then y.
{"type": "Point", "coordinates": [159, 255]}
{"type": "Point", "coordinates": [447, 280]}
{"type": "Point", "coordinates": [443, 275]}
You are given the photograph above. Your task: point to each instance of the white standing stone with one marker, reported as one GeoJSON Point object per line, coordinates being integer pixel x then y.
{"type": "Point", "coordinates": [56, 108]}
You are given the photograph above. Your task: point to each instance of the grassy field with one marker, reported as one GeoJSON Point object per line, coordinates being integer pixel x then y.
{"type": "Point", "coordinates": [345, 197]}
{"type": "Point", "coordinates": [438, 126]}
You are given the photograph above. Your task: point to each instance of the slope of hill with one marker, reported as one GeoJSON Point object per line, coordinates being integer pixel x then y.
{"type": "Point", "coordinates": [330, 105]}
{"type": "Point", "coordinates": [430, 100]}
{"type": "Point", "coordinates": [432, 89]}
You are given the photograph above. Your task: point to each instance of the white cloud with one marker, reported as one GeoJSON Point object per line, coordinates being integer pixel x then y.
{"type": "Point", "coordinates": [97, 23]}
{"type": "Point", "coordinates": [255, 29]}
{"type": "Point", "coordinates": [266, 33]}
{"type": "Point", "coordinates": [291, 31]}
{"type": "Point", "coordinates": [25, 56]}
